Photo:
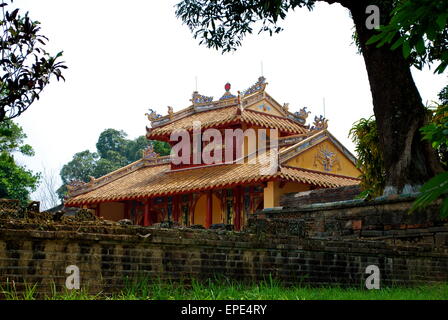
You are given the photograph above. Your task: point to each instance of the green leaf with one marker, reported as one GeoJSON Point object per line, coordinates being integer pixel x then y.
{"type": "Point", "coordinates": [406, 49]}
{"type": "Point", "coordinates": [420, 47]}
{"type": "Point", "coordinates": [431, 191]}
{"type": "Point", "coordinates": [442, 20]}
{"type": "Point", "coordinates": [438, 181]}
{"type": "Point", "coordinates": [375, 38]}
{"type": "Point", "coordinates": [397, 43]}
{"type": "Point", "coordinates": [444, 209]}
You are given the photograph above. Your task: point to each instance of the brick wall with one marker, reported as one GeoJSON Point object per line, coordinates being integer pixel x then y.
{"type": "Point", "coordinates": [106, 254]}
{"type": "Point", "coordinates": [386, 219]}
{"type": "Point", "coordinates": [294, 200]}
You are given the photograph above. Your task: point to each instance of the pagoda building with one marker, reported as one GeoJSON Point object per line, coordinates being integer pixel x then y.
{"type": "Point", "coordinates": [275, 153]}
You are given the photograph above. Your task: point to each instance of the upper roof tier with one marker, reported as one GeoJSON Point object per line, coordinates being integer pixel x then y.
{"type": "Point", "coordinates": [252, 106]}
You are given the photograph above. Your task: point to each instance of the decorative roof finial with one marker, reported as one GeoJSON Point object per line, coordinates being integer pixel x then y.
{"type": "Point", "coordinates": [74, 185]}
{"type": "Point", "coordinates": [152, 115]}
{"type": "Point", "coordinates": [299, 116]}
{"type": "Point", "coordinates": [170, 112]}
{"type": "Point", "coordinates": [149, 152]}
{"type": "Point", "coordinates": [240, 105]}
{"type": "Point", "coordinates": [199, 98]}
{"type": "Point", "coordinates": [258, 86]}
{"type": "Point", "coordinates": [320, 123]}
{"type": "Point", "coordinates": [227, 94]}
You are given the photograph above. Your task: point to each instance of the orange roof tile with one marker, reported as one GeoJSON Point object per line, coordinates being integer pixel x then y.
{"type": "Point", "coordinates": [159, 180]}
{"type": "Point", "coordinates": [225, 116]}
{"type": "Point", "coordinates": [316, 178]}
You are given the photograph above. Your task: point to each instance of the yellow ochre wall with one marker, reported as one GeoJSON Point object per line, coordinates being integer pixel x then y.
{"type": "Point", "coordinates": [112, 210]}
{"type": "Point", "coordinates": [273, 192]}
{"type": "Point", "coordinates": [253, 145]}
{"type": "Point", "coordinates": [201, 209]}
{"type": "Point", "coordinates": [307, 160]}
{"type": "Point", "coordinates": [273, 110]}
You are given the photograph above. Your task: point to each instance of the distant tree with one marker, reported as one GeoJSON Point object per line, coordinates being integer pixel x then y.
{"type": "Point", "coordinates": [25, 65]}
{"type": "Point", "coordinates": [16, 182]}
{"type": "Point", "coordinates": [47, 194]}
{"type": "Point", "coordinates": [111, 140]}
{"type": "Point", "coordinates": [105, 165]}
{"type": "Point", "coordinates": [160, 147]}
{"type": "Point", "coordinates": [114, 151]}
{"type": "Point", "coordinates": [80, 168]}
{"type": "Point", "coordinates": [135, 148]}
{"type": "Point", "coordinates": [398, 107]}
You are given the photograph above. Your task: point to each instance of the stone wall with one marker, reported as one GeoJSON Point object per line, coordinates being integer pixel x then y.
{"type": "Point", "coordinates": [299, 199]}
{"type": "Point", "coordinates": [107, 254]}
{"type": "Point", "coordinates": [387, 219]}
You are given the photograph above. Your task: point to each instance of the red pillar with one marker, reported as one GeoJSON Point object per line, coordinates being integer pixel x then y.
{"type": "Point", "coordinates": [146, 217]}
{"type": "Point", "coordinates": [237, 220]}
{"type": "Point", "coordinates": [208, 217]}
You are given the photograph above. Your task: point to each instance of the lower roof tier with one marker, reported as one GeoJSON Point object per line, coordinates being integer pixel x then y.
{"type": "Point", "coordinates": [159, 180]}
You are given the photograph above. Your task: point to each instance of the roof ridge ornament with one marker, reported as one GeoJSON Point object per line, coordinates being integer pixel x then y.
{"type": "Point", "coordinates": [170, 112]}
{"type": "Point", "coordinates": [320, 123]}
{"type": "Point", "coordinates": [299, 116]}
{"type": "Point", "coordinates": [302, 113]}
{"type": "Point", "coordinates": [260, 85]}
{"type": "Point", "coordinates": [240, 104]}
{"type": "Point", "coordinates": [153, 115]}
{"type": "Point", "coordinates": [156, 119]}
{"type": "Point", "coordinates": [227, 94]}
{"type": "Point", "coordinates": [149, 152]}
{"type": "Point", "coordinates": [200, 99]}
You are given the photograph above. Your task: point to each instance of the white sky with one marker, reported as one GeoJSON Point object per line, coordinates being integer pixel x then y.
{"type": "Point", "coordinates": [127, 56]}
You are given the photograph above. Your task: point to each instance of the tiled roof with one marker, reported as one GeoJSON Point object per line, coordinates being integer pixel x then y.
{"type": "Point", "coordinates": [159, 180]}
{"type": "Point", "coordinates": [320, 179]}
{"type": "Point", "coordinates": [226, 116]}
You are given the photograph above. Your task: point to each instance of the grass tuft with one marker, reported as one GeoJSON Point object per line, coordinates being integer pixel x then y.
{"type": "Point", "coordinates": [221, 288]}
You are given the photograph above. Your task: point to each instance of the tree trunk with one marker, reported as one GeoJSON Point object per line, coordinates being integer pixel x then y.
{"type": "Point", "coordinates": [399, 112]}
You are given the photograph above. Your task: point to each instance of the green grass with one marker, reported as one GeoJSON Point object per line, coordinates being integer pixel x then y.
{"type": "Point", "coordinates": [224, 289]}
